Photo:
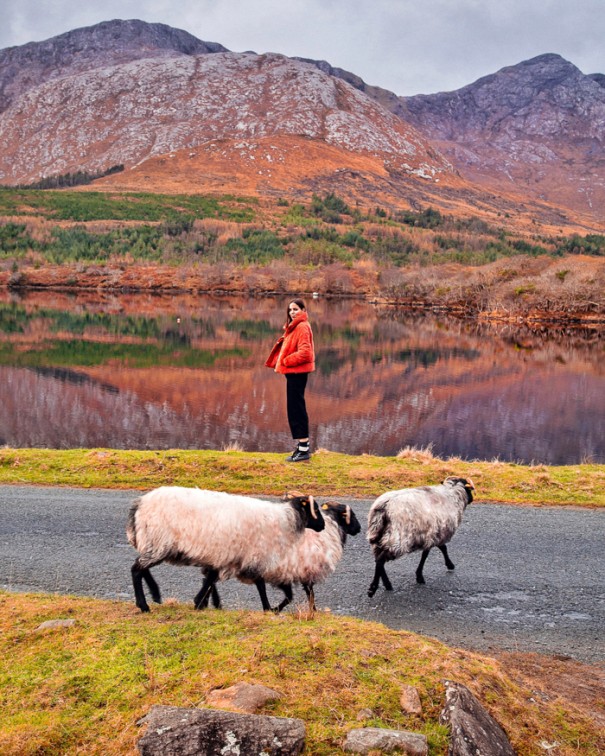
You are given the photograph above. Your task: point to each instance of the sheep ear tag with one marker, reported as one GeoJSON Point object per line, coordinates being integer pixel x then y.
{"type": "Point", "coordinates": [325, 507]}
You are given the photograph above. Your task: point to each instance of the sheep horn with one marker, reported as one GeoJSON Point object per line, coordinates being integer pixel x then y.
{"type": "Point", "coordinates": [312, 505]}
{"type": "Point", "coordinates": [348, 515]}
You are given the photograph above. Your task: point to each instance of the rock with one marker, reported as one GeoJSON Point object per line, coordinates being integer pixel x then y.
{"type": "Point", "coordinates": [473, 730]}
{"type": "Point", "coordinates": [375, 738]}
{"type": "Point", "coordinates": [410, 700]}
{"type": "Point", "coordinates": [175, 731]}
{"type": "Point", "coordinates": [242, 697]}
{"type": "Point", "coordinates": [49, 624]}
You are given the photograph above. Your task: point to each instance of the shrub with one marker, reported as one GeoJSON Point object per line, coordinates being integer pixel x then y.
{"type": "Point", "coordinates": [330, 208]}
{"type": "Point", "coordinates": [14, 239]}
{"type": "Point", "coordinates": [428, 218]}
{"type": "Point", "coordinates": [255, 246]}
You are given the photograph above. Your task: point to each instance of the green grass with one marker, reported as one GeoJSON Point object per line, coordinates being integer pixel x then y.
{"type": "Point", "coordinates": [83, 689]}
{"type": "Point", "coordinates": [305, 235]}
{"type": "Point", "coordinates": [94, 206]}
{"type": "Point", "coordinates": [328, 474]}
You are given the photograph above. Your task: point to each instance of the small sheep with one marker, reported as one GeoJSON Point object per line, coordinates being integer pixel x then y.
{"type": "Point", "coordinates": [220, 532]}
{"type": "Point", "coordinates": [400, 522]}
{"type": "Point", "coordinates": [311, 560]}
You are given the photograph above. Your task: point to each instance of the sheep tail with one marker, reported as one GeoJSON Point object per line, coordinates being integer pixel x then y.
{"type": "Point", "coordinates": [377, 524]}
{"type": "Point", "coordinates": [131, 524]}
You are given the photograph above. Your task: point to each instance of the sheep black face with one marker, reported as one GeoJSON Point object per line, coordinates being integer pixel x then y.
{"type": "Point", "coordinates": [466, 482]}
{"type": "Point", "coordinates": [308, 508]}
{"type": "Point", "coordinates": [344, 517]}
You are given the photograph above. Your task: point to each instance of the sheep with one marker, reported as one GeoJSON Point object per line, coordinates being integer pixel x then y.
{"type": "Point", "coordinates": [311, 559]}
{"type": "Point", "coordinates": [220, 532]}
{"type": "Point", "coordinates": [400, 522]}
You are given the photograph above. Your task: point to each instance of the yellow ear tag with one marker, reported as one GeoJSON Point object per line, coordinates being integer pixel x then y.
{"type": "Point", "coordinates": [324, 506]}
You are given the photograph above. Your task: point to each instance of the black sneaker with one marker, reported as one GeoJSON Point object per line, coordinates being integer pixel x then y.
{"type": "Point", "coordinates": [299, 456]}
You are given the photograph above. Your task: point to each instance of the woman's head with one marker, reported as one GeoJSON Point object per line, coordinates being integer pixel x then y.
{"type": "Point", "coordinates": [294, 307]}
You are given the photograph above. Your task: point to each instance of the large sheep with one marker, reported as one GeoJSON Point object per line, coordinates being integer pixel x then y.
{"type": "Point", "coordinates": [220, 532]}
{"type": "Point", "coordinates": [415, 519]}
{"type": "Point", "coordinates": [311, 560]}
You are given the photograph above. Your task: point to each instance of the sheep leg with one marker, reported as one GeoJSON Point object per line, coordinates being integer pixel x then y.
{"type": "Point", "coordinates": [216, 599]}
{"type": "Point", "coordinates": [207, 589]}
{"type": "Point", "coordinates": [262, 592]}
{"type": "Point", "coordinates": [419, 575]}
{"type": "Point", "coordinates": [310, 595]}
{"type": "Point", "coordinates": [379, 573]}
{"type": "Point", "coordinates": [287, 589]}
{"type": "Point", "coordinates": [140, 573]}
{"type": "Point", "coordinates": [154, 588]}
{"type": "Point", "coordinates": [448, 562]}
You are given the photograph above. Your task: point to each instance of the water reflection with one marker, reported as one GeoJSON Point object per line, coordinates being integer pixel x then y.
{"type": "Point", "coordinates": [187, 372]}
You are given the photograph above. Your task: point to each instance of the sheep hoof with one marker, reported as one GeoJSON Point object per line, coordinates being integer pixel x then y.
{"type": "Point", "coordinates": [420, 579]}
{"type": "Point", "coordinates": [371, 592]}
{"type": "Point", "coordinates": [144, 609]}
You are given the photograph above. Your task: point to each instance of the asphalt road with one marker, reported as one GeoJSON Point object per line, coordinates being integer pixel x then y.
{"type": "Point", "coordinates": [526, 579]}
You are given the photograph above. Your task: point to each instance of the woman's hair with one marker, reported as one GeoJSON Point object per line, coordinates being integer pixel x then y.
{"type": "Point", "coordinates": [297, 302]}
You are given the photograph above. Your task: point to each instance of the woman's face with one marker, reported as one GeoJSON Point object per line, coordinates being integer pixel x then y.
{"type": "Point", "coordinates": [293, 310]}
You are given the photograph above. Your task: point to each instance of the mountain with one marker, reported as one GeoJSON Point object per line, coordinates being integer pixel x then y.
{"type": "Point", "coordinates": [28, 66]}
{"type": "Point", "coordinates": [536, 128]}
{"type": "Point", "coordinates": [186, 115]}
{"type": "Point", "coordinates": [128, 92]}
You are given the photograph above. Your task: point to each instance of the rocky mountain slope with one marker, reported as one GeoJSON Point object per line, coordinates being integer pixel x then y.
{"type": "Point", "coordinates": [112, 42]}
{"type": "Point", "coordinates": [187, 115]}
{"type": "Point", "coordinates": [132, 96]}
{"type": "Point", "coordinates": [536, 128]}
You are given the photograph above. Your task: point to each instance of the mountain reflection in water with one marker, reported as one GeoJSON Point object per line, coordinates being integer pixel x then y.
{"type": "Point", "coordinates": [188, 372]}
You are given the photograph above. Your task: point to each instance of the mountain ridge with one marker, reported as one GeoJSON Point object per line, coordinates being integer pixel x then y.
{"type": "Point", "coordinates": [128, 92]}
{"type": "Point", "coordinates": [79, 49]}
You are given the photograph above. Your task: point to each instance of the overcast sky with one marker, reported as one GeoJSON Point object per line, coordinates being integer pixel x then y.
{"type": "Point", "coordinates": [407, 46]}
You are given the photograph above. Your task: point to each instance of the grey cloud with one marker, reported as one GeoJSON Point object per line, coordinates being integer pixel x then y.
{"type": "Point", "coordinates": [402, 45]}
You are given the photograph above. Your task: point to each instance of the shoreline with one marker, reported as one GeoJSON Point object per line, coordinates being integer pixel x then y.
{"type": "Point", "coordinates": [585, 315]}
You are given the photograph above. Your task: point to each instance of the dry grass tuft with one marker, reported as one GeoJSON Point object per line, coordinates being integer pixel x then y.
{"type": "Point", "coordinates": [422, 454]}
{"type": "Point", "coordinates": [233, 446]}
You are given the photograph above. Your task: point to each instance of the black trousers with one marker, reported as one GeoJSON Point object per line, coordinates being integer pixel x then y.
{"type": "Point", "coordinates": [297, 408]}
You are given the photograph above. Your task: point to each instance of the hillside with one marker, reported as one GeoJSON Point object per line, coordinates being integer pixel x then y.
{"type": "Point", "coordinates": [183, 115]}
{"type": "Point", "coordinates": [119, 107]}
{"type": "Point", "coordinates": [538, 127]}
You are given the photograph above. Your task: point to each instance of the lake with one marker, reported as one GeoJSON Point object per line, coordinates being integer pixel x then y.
{"type": "Point", "coordinates": [184, 371]}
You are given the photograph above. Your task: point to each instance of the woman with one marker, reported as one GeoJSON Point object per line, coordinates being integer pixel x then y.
{"type": "Point", "coordinates": [294, 356]}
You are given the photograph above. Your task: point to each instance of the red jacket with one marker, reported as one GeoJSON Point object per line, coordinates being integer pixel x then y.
{"type": "Point", "coordinates": [294, 351]}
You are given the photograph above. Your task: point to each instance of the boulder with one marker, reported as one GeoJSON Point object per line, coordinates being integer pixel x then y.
{"type": "Point", "coordinates": [175, 731]}
{"type": "Point", "coordinates": [374, 738]}
{"type": "Point", "coordinates": [410, 700]}
{"type": "Point", "coordinates": [474, 731]}
{"type": "Point", "coordinates": [243, 697]}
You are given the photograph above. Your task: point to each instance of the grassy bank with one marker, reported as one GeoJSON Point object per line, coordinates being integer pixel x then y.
{"type": "Point", "coordinates": [83, 689]}
{"type": "Point", "coordinates": [116, 241]}
{"type": "Point", "coordinates": [328, 473]}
